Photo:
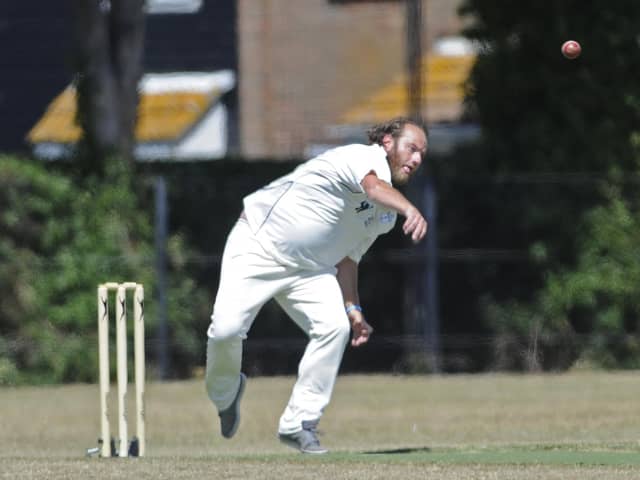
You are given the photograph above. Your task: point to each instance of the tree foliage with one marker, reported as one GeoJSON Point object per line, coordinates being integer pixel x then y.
{"type": "Point", "coordinates": [542, 112]}
{"type": "Point", "coordinates": [551, 119]}
{"type": "Point", "coordinates": [60, 241]}
{"type": "Point", "coordinates": [601, 294]}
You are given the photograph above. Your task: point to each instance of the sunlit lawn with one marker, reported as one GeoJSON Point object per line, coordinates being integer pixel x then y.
{"type": "Point", "coordinates": [579, 425]}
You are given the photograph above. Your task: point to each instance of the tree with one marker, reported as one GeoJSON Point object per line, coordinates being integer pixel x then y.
{"type": "Point", "coordinates": [542, 112]}
{"type": "Point", "coordinates": [109, 40]}
{"type": "Point", "coordinates": [58, 242]}
{"type": "Point", "coordinates": [600, 295]}
{"type": "Point", "coordinates": [547, 118]}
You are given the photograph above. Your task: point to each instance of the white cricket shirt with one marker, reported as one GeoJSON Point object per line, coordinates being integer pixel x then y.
{"type": "Point", "coordinates": [318, 214]}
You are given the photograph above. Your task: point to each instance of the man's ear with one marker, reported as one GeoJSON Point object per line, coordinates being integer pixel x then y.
{"type": "Point", "coordinates": [387, 142]}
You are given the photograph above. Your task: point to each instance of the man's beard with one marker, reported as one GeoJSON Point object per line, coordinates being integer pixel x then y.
{"type": "Point", "coordinates": [398, 177]}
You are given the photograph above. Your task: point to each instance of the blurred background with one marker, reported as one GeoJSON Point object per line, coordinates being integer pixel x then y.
{"type": "Point", "coordinates": [132, 129]}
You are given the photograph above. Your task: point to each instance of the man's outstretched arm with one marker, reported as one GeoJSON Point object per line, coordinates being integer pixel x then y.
{"type": "Point", "coordinates": [381, 192]}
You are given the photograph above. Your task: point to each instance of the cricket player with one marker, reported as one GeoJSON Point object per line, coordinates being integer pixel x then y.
{"type": "Point", "coordinates": [299, 240]}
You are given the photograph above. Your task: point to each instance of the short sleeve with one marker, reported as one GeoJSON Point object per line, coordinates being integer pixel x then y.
{"type": "Point", "coordinates": [354, 162]}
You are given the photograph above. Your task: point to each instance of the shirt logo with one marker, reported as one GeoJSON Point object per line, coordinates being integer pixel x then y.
{"type": "Point", "coordinates": [388, 217]}
{"type": "Point", "coordinates": [364, 205]}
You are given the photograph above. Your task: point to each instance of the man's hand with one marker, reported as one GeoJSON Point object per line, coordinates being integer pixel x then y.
{"type": "Point", "coordinates": [414, 225]}
{"type": "Point", "coordinates": [361, 330]}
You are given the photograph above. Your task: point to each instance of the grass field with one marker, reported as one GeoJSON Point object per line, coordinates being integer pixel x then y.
{"type": "Point", "coordinates": [570, 426]}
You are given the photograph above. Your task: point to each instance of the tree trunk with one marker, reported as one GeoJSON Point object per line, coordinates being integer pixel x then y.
{"type": "Point", "coordinates": [127, 27]}
{"type": "Point", "coordinates": [109, 48]}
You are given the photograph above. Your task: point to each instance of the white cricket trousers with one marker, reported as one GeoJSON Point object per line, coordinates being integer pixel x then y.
{"type": "Point", "coordinates": [249, 278]}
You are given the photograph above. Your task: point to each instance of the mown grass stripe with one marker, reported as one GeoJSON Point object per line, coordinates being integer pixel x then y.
{"type": "Point", "coordinates": [512, 456]}
{"type": "Point", "coordinates": [516, 457]}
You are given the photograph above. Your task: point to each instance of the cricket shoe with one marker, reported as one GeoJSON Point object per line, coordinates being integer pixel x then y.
{"type": "Point", "coordinates": [230, 418]}
{"type": "Point", "coordinates": [306, 440]}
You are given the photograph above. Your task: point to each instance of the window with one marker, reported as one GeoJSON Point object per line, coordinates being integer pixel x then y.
{"type": "Point", "coordinates": [173, 6]}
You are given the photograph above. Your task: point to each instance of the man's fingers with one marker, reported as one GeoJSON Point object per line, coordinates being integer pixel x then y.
{"type": "Point", "coordinates": [419, 232]}
{"type": "Point", "coordinates": [416, 227]}
{"type": "Point", "coordinates": [356, 342]}
{"type": "Point", "coordinates": [361, 335]}
{"type": "Point", "coordinates": [410, 225]}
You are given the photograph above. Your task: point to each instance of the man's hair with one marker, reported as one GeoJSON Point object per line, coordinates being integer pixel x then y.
{"type": "Point", "coordinates": [393, 127]}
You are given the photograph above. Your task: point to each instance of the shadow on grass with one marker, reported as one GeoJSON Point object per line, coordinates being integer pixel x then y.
{"type": "Point", "coordinates": [531, 455]}
{"type": "Point", "coordinates": [398, 451]}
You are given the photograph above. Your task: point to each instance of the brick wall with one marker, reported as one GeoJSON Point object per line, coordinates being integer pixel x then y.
{"type": "Point", "coordinates": [303, 63]}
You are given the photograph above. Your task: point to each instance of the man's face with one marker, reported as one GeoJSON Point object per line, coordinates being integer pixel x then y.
{"type": "Point", "coordinates": [405, 153]}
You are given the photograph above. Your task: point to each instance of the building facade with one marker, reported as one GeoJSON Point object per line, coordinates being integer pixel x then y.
{"type": "Point", "coordinates": [304, 64]}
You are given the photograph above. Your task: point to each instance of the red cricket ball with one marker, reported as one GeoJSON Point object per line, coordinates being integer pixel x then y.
{"type": "Point", "coordinates": [571, 49]}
